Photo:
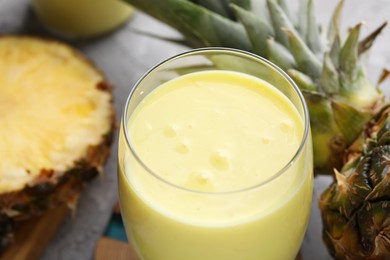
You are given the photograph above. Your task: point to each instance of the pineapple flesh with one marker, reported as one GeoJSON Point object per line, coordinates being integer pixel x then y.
{"type": "Point", "coordinates": [56, 125]}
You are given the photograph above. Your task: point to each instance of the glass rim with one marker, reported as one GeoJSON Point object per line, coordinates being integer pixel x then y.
{"type": "Point", "coordinates": [228, 50]}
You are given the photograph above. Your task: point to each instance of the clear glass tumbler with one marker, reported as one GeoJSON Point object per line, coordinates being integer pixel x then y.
{"type": "Point", "coordinates": [261, 220]}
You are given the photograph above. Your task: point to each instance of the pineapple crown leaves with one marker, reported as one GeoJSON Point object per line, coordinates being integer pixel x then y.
{"type": "Point", "coordinates": [199, 25]}
{"type": "Point", "coordinates": [205, 23]}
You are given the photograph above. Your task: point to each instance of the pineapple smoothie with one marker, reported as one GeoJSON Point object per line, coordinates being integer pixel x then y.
{"type": "Point", "coordinates": [82, 18]}
{"type": "Point", "coordinates": [214, 183]}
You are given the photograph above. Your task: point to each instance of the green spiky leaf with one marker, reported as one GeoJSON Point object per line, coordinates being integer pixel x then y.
{"type": "Point", "coordinates": [329, 80]}
{"type": "Point", "coordinates": [302, 80]}
{"type": "Point", "coordinates": [367, 42]}
{"type": "Point", "coordinates": [219, 7]}
{"type": "Point", "coordinates": [327, 133]}
{"type": "Point", "coordinates": [349, 120]}
{"type": "Point", "coordinates": [257, 30]}
{"type": "Point", "coordinates": [284, 6]}
{"type": "Point", "coordinates": [279, 55]}
{"type": "Point", "coordinates": [222, 7]}
{"type": "Point", "coordinates": [349, 62]}
{"type": "Point", "coordinates": [279, 21]}
{"type": "Point", "coordinates": [334, 25]}
{"type": "Point", "coordinates": [303, 18]}
{"type": "Point", "coordinates": [200, 26]}
{"type": "Point", "coordinates": [354, 85]}
{"type": "Point", "coordinates": [245, 4]}
{"type": "Point", "coordinates": [313, 36]}
{"type": "Point", "coordinates": [306, 61]}
{"type": "Point", "coordinates": [335, 50]}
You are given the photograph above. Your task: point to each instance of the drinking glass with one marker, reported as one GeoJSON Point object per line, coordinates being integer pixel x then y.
{"type": "Point", "coordinates": [264, 220]}
{"type": "Point", "coordinates": [81, 19]}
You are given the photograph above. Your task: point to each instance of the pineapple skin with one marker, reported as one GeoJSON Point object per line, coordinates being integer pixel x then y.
{"type": "Point", "coordinates": [54, 188]}
{"type": "Point", "coordinates": [49, 192]}
{"type": "Point", "coordinates": [356, 207]}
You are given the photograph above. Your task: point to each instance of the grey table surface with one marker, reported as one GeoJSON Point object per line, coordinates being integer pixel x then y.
{"type": "Point", "coordinates": [124, 56]}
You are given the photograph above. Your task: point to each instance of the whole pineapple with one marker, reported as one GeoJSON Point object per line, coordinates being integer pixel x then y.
{"type": "Point", "coordinates": [56, 126]}
{"type": "Point", "coordinates": [356, 208]}
{"type": "Point", "coordinates": [328, 71]}
{"type": "Point", "coordinates": [349, 118]}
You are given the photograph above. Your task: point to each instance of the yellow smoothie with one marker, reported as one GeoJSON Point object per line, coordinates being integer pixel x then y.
{"type": "Point", "coordinates": [82, 18]}
{"type": "Point", "coordinates": [215, 144]}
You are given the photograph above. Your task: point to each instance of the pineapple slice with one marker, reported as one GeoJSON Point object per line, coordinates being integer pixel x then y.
{"type": "Point", "coordinates": [56, 125]}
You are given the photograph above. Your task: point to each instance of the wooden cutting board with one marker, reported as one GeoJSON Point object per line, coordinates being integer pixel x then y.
{"type": "Point", "coordinates": [33, 235]}
{"type": "Point", "coordinates": [110, 249]}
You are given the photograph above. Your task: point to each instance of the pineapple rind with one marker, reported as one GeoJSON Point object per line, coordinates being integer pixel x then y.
{"type": "Point", "coordinates": [355, 208]}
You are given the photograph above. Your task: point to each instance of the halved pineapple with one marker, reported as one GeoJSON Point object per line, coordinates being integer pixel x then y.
{"type": "Point", "coordinates": [56, 125]}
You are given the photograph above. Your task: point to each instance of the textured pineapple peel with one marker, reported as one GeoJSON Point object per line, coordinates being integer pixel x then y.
{"type": "Point", "coordinates": [52, 109]}
{"type": "Point", "coordinates": [355, 208]}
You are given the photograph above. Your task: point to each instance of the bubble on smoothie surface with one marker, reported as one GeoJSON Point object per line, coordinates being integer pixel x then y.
{"type": "Point", "coordinates": [201, 180]}
{"type": "Point", "coordinates": [182, 147]}
{"type": "Point", "coordinates": [220, 160]}
{"type": "Point", "coordinates": [171, 130]}
{"type": "Point", "coordinates": [286, 125]}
